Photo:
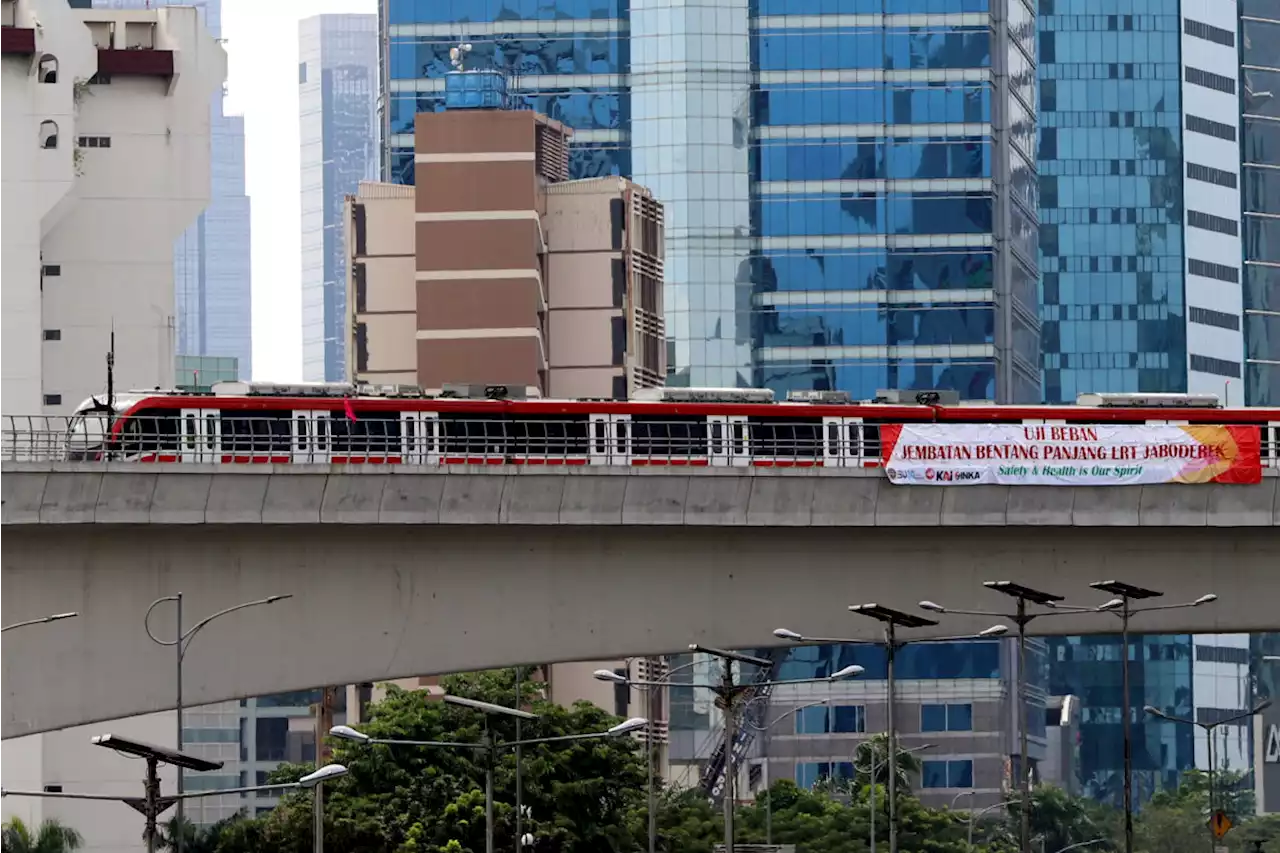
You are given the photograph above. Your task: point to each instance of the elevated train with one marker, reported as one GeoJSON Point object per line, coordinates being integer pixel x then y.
{"type": "Point", "coordinates": [247, 423]}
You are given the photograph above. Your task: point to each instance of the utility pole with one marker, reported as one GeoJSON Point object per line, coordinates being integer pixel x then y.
{"type": "Point", "coordinates": [324, 722]}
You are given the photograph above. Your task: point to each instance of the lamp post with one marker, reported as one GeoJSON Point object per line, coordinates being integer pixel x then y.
{"type": "Point", "coordinates": [728, 695]}
{"type": "Point", "coordinates": [1122, 606]}
{"type": "Point", "coordinates": [871, 794]}
{"type": "Point", "coordinates": [43, 620]}
{"type": "Point", "coordinates": [488, 746]}
{"type": "Point", "coordinates": [892, 620]}
{"type": "Point", "coordinates": [152, 806]}
{"type": "Point", "coordinates": [973, 817]}
{"type": "Point", "coordinates": [180, 644]}
{"type": "Point", "coordinates": [765, 730]}
{"type": "Point", "coordinates": [649, 688]}
{"type": "Point", "coordinates": [1021, 617]}
{"type": "Point", "coordinates": [1209, 729]}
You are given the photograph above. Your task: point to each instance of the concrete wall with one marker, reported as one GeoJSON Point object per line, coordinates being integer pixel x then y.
{"type": "Point", "coordinates": [436, 573]}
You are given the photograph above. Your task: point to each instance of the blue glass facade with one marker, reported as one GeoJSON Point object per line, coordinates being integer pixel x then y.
{"type": "Point", "coordinates": [1112, 308]}
{"type": "Point", "coordinates": [1160, 675]}
{"type": "Point", "coordinates": [1260, 156]}
{"type": "Point", "coordinates": [829, 185]}
{"type": "Point", "coordinates": [337, 88]}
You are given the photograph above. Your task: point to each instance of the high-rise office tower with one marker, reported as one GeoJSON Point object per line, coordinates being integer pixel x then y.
{"type": "Point", "coordinates": [337, 89]}
{"type": "Point", "coordinates": [211, 260]}
{"type": "Point", "coordinates": [1260, 172]}
{"type": "Point", "coordinates": [851, 199]}
{"type": "Point", "coordinates": [1140, 198]}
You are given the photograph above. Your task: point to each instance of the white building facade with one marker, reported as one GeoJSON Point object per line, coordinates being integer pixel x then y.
{"type": "Point", "coordinates": [106, 161]}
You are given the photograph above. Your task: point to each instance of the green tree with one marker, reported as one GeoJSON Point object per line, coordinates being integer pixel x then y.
{"type": "Point", "coordinates": [397, 799]}
{"type": "Point", "coordinates": [876, 749]}
{"type": "Point", "coordinates": [1061, 819]}
{"type": "Point", "coordinates": [50, 836]}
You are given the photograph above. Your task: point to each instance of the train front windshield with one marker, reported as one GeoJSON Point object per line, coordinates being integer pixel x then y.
{"type": "Point", "coordinates": [86, 433]}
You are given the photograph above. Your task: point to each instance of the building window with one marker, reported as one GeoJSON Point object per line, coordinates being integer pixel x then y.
{"type": "Point", "coordinates": [94, 141]}
{"type": "Point", "coordinates": [53, 334]}
{"type": "Point", "coordinates": [1195, 124]}
{"type": "Point", "coordinates": [618, 327]}
{"type": "Point", "coordinates": [51, 269]}
{"type": "Point", "coordinates": [829, 719]}
{"type": "Point", "coordinates": [947, 774]}
{"type": "Point", "coordinates": [1216, 366]}
{"type": "Point", "coordinates": [48, 71]}
{"type": "Point", "coordinates": [302, 72]}
{"type": "Point", "coordinates": [1209, 222]}
{"type": "Point", "coordinates": [946, 718]}
{"type": "Point", "coordinates": [1209, 80]}
{"type": "Point", "coordinates": [1209, 317]}
{"type": "Point", "coordinates": [53, 399]}
{"type": "Point", "coordinates": [809, 774]}
{"type": "Point", "coordinates": [1220, 272]}
{"type": "Point", "coordinates": [1217, 35]}
{"type": "Point", "coordinates": [620, 388]}
{"type": "Point", "coordinates": [48, 134]}
{"type": "Point", "coordinates": [1222, 654]}
{"type": "Point", "coordinates": [1210, 175]}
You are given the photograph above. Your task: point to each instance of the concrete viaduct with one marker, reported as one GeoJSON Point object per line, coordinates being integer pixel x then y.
{"type": "Point", "coordinates": [408, 571]}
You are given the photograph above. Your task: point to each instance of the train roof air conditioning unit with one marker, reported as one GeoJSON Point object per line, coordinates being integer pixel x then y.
{"type": "Point", "coordinates": [811, 396]}
{"type": "Point", "coordinates": [907, 397]}
{"type": "Point", "coordinates": [483, 391]}
{"type": "Point", "coordinates": [1149, 401]}
{"type": "Point", "coordinates": [703, 395]}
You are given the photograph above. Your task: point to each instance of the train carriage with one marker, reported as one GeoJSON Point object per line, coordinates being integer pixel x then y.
{"type": "Point", "coordinates": [262, 423]}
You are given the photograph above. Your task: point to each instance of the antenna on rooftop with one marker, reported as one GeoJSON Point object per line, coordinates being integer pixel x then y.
{"type": "Point", "coordinates": [458, 55]}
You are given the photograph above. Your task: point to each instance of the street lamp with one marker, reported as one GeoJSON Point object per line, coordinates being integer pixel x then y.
{"type": "Point", "coordinates": [765, 730]}
{"type": "Point", "coordinates": [41, 621]}
{"type": "Point", "coordinates": [728, 695]}
{"type": "Point", "coordinates": [180, 644]}
{"type": "Point", "coordinates": [1122, 606]}
{"type": "Point", "coordinates": [892, 620]}
{"type": "Point", "coordinates": [871, 775]}
{"type": "Point", "coordinates": [1023, 595]}
{"type": "Point", "coordinates": [152, 804]}
{"type": "Point", "coordinates": [1209, 733]}
{"type": "Point", "coordinates": [973, 817]}
{"type": "Point", "coordinates": [488, 746]}
{"type": "Point", "coordinates": [660, 684]}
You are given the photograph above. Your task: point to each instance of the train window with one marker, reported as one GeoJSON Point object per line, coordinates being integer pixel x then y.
{"type": "Point", "coordinates": [669, 435]}
{"type": "Point", "coordinates": [717, 437]}
{"type": "Point", "coordinates": [157, 430]}
{"type": "Point", "coordinates": [474, 435]}
{"type": "Point", "coordinates": [376, 433]}
{"type": "Point", "coordinates": [871, 441]}
{"type": "Point", "coordinates": [301, 432]}
{"type": "Point", "coordinates": [833, 439]}
{"type": "Point", "coordinates": [191, 432]}
{"type": "Point", "coordinates": [210, 430]}
{"type": "Point", "coordinates": [790, 439]}
{"type": "Point", "coordinates": [257, 432]}
{"type": "Point", "coordinates": [739, 432]}
{"type": "Point", "coordinates": [621, 427]}
{"type": "Point", "coordinates": [558, 437]}
{"type": "Point", "coordinates": [408, 426]}
{"type": "Point", "coordinates": [598, 429]}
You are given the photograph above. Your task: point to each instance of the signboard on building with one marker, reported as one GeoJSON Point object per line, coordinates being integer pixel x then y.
{"type": "Point", "coordinates": [1067, 455]}
{"type": "Point", "coordinates": [1267, 752]}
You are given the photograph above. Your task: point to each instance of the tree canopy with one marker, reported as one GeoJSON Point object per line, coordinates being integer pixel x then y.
{"type": "Point", "coordinates": [49, 837]}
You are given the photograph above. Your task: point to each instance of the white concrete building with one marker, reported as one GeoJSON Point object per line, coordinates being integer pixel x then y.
{"type": "Point", "coordinates": [105, 161]}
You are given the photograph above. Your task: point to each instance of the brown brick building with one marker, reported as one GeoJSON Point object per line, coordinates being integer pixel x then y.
{"type": "Point", "coordinates": [519, 276]}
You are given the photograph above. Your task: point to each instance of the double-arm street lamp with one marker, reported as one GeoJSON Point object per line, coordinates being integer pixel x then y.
{"type": "Point", "coordinates": [487, 745]}
{"type": "Point", "coordinates": [729, 696]}
{"type": "Point", "coordinates": [1209, 730]}
{"type": "Point", "coordinates": [56, 617]}
{"type": "Point", "coordinates": [1022, 616]}
{"type": "Point", "coordinates": [1122, 606]}
{"type": "Point", "coordinates": [152, 803]}
{"type": "Point", "coordinates": [892, 620]}
{"type": "Point", "coordinates": [180, 643]}
{"type": "Point", "coordinates": [766, 730]}
{"type": "Point", "coordinates": [650, 687]}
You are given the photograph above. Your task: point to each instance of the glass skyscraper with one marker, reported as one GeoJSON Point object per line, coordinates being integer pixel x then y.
{"type": "Point", "coordinates": [1260, 151]}
{"type": "Point", "coordinates": [337, 90]}
{"type": "Point", "coordinates": [213, 294]}
{"type": "Point", "coordinates": [829, 170]}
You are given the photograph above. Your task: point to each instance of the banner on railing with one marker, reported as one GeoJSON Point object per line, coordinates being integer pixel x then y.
{"type": "Point", "coordinates": [1065, 455]}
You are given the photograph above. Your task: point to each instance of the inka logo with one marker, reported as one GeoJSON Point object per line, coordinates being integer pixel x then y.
{"type": "Point", "coordinates": [1272, 755]}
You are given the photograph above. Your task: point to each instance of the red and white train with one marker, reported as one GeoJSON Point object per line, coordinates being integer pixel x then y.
{"type": "Point", "coordinates": [243, 422]}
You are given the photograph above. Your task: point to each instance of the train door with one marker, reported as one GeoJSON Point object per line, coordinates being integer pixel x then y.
{"type": "Point", "coordinates": [842, 442]}
{"type": "Point", "coordinates": [610, 438]}
{"type": "Point", "coordinates": [729, 441]}
{"type": "Point", "coordinates": [312, 441]}
{"type": "Point", "coordinates": [199, 435]}
{"type": "Point", "coordinates": [420, 438]}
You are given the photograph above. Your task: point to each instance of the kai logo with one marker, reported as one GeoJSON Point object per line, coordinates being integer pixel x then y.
{"type": "Point", "coordinates": [1272, 753]}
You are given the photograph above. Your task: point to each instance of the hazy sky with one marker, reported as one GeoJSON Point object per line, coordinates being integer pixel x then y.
{"type": "Point", "coordinates": [262, 83]}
